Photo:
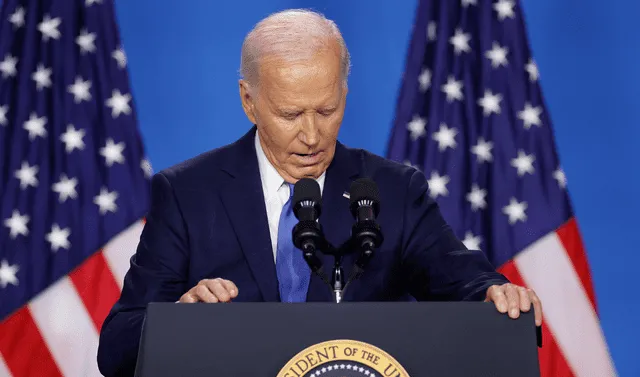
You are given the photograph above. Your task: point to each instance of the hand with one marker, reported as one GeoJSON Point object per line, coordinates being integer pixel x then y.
{"type": "Point", "coordinates": [211, 291]}
{"type": "Point", "coordinates": [516, 299]}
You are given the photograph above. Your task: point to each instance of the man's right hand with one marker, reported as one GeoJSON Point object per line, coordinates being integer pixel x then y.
{"type": "Point", "coordinates": [211, 291]}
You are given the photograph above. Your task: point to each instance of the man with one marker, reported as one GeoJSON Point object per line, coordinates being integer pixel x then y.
{"type": "Point", "coordinates": [219, 226]}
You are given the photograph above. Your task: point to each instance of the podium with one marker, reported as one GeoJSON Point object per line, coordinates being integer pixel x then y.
{"type": "Point", "coordinates": [364, 339]}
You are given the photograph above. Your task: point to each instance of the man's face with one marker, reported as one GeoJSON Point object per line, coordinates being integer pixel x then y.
{"type": "Point", "coordinates": [298, 110]}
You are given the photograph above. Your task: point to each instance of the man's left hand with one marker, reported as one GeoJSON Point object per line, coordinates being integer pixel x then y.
{"type": "Point", "coordinates": [515, 299]}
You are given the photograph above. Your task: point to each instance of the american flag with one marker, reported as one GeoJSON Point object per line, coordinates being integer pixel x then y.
{"type": "Point", "coordinates": [74, 183]}
{"type": "Point", "coordinates": [472, 117]}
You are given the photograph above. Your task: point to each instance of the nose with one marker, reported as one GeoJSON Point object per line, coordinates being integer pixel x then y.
{"type": "Point", "coordinates": [309, 134]}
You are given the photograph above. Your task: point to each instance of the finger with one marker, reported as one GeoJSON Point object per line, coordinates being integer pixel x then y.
{"type": "Point", "coordinates": [204, 294]}
{"type": "Point", "coordinates": [537, 307]}
{"type": "Point", "coordinates": [525, 301]}
{"type": "Point", "coordinates": [513, 300]}
{"type": "Point", "coordinates": [188, 298]}
{"type": "Point", "coordinates": [496, 294]}
{"type": "Point", "coordinates": [219, 290]}
{"type": "Point", "coordinates": [231, 287]}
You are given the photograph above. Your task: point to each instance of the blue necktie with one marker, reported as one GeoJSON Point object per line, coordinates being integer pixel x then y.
{"type": "Point", "coordinates": [293, 271]}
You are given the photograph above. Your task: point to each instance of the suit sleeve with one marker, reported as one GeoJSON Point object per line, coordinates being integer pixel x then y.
{"type": "Point", "coordinates": [437, 265]}
{"type": "Point", "coordinates": [157, 273]}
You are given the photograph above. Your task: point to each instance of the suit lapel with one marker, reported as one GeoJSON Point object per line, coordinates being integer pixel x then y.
{"type": "Point", "coordinates": [244, 200]}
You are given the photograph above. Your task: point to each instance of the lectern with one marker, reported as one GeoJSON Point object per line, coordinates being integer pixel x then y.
{"type": "Point", "coordinates": [365, 339]}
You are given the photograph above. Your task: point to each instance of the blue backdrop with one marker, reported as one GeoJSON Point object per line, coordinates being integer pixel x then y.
{"type": "Point", "coordinates": [183, 62]}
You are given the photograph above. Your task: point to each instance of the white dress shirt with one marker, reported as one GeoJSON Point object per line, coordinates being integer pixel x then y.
{"type": "Point", "coordinates": [276, 192]}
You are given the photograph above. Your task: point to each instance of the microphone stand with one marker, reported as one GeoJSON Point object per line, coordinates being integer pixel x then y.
{"type": "Point", "coordinates": [338, 279]}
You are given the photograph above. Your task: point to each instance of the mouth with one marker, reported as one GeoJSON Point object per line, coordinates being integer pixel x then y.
{"type": "Point", "coordinates": [309, 158]}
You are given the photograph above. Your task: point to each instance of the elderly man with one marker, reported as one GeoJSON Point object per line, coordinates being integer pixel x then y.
{"type": "Point", "coordinates": [219, 226]}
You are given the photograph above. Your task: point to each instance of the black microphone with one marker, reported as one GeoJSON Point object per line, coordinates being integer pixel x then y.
{"type": "Point", "coordinates": [366, 234]}
{"type": "Point", "coordinates": [307, 234]}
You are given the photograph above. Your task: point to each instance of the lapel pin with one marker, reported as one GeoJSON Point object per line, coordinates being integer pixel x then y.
{"type": "Point", "coordinates": [346, 195]}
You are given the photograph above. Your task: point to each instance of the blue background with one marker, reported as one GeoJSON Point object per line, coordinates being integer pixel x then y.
{"type": "Point", "coordinates": [183, 61]}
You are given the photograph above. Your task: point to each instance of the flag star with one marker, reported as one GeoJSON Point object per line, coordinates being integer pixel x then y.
{"type": "Point", "coordinates": [559, 176]}
{"type": "Point", "coordinates": [8, 274]}
{"type": "Point", "coordinates": [17, 17]}
{"type": "Point", "coordinates": [42, 77]}
{"type": "Point", "coordinates": [17, 224]}
{"type": "Point", "coordinates": [27, 175]}
{"type": "Point", "coordinates": [112, 152]}
{"type": "Point", "coordinates": [119, 103]}
{"type": "Point", "coordinates": [120, 57]}
{"type": "Point", "coordinates": [3, 115]}
{"type": "Point", "coordinates": [490, 102]}
{"type": "Point", "coordinates": [80, 90]}
{"type": "Point", "coordinates": [524, 163]}
{"type": "Point", "coordinates": [466, 3]}
{"type": "Point", "coordinates": [416, 127]}
{"type": "Point", "coordinates": [460, 41]}
{"type": "Point", "coordinates": [532, 70]}
{"type": "Point", "coordinates": [424, 79]}
{"type": "Point", "coordinates": [8, 66]}
{"type": "Point", "coordinates": [472, 242]}
{"type": "Point", "coordinates": [58, 238]}
{"type": "Point", "coordinates": [72, 138]}
{"type": "Point", "coordinates": [453, 89]}
{"type": "Point", "coordinates": [477, 198]}
{"type": "Point", "coordinates": [446, 137]}
{"type": "Point", "coordinates": [65, 188]}
{"type": "Point", "coordinates": [515, 210]}
{"type": "Point", "coordinates": [497, 55]}
{"type": "Point", "coordinates": [35, 126]}
{"type": "Point", "coordinates": [438, 185]}
{"type": "Point", "coordinates": [91, 2]}
{"type": "Point", "coordinates": [86, 41]}
{"type": "Point", "coordinates": [504, 8]}
{"type": "Point", "coordinates": [432, 27]}
{"type": "Point", "coordinates": [408, 163]}
{"type": "Point", "coordinates": [49, 27]}
{"type": "Point", "coordinates": [106, 201]}
{"type": "Point", "coordinates": [530, 115]}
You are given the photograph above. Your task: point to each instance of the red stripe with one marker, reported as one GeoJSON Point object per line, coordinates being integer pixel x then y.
{"type": "Point", "coordinates": [23, 348]}
{"type": "Point", "coordinates": [96, 287]}
{"type": "Point", "coordinates": [552, 361]}
{"type": "Point", "coordinates": [572, 242]}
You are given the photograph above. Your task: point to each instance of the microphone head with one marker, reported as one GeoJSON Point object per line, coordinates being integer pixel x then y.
{"type": "Point", "coordinates": [364, 191]}
{"type": "Point", "coordinates": [306, 194]}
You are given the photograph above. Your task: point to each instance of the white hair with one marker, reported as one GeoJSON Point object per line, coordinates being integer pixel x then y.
{"type": "Point", "coordinates": [294, 34]}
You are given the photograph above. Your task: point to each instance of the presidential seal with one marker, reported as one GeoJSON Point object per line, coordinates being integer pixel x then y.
{"type": "Point", "coordinates": [342, 358]}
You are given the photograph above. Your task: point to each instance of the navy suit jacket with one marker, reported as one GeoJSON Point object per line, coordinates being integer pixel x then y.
{"type": "Point", "coordinates": [207, 219]}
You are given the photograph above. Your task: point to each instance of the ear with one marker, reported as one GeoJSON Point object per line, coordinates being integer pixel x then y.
{"type": "Point", "coordinates": [248, 102]}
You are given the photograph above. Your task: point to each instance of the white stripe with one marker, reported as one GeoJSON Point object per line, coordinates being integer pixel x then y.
{"type": "Point", "coordinates": [547, 269]}
{"type": "Point", "coordinates": [119, 249]}
{"type": "Point", "coordinates": [4, 369]}
{"type": "Point", "coordinates": [67, 329]}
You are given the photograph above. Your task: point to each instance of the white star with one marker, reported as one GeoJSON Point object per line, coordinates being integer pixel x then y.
{"type": "Point", "coordinates": [72, 138]}
{"type": "Point", "coordinates": [8, 66]}
{"type": "Point", "coordinates": [58, 238]}
{"type": "Point", "coordinates": [453, 89]}
{"type": "Point", "coordinates": [438, 185]}
{"type": "Point", "coordinates": [3, 115]}
{"type": "Point", "coordinates": [8, 274]}
{"type": "Point", "coordinates": [466, 3]}
{"type": "Point", "coordinates": [515, 210]}
{"type": "Point", "coordinates": [146, 167]}
{"type": "Point", "coordinates": [49, 27]}
{"type": "Point", "coordinates": [497, 55]}
{"type": "Point", "coordinates": [119, 103]}
{"type": "Point", "coordinates": [532, 70]}
{"type": "Point", "coordinates": [524, 163]}
{"type": "Point", "coordinates": [42, 77]}
{"type": "Point", "coordinates": [80, 90]}
{"type": "Point", "coordinates": [91, 2]}
{"type": "Point", "coordinates": [86, 41]}
{"type": "Point", "coordinates": [17, 17]}
{"type": "Point", "coordinates": [35, 126]}
{"type": "Point", "coordinates": [559, 176]}
{"type": "Point", "coordinates": [342, 366]}
{"type": "Point", "coordinates": [483, 150]}
{"type": "Point", "coordinates": [120, 57]}
{"type": "Point", "coordinates": [460, 41]}
{"type": "Point", "coordinates": [106, 201]}
{"type": "Point", "coordinates": [17, 224]}
{"type": "Point", "coordinates": [431, 30]}
{"type": "Point", "coordinates": [424, 79]}
{"type": "Point", "coordinates": [530, 115]}
{"type": "Point", "coordinates": [477, 198]}
{"type": "Point", "coordinates": [65, 188]}
{"type": "Point", "coordinates": [490, 102]}
{"type": "Point", "coordinates": [504, 8]}
{"type": "Point", "coordinates": [472, 242]}
{"type": "Point", "coordinates": [416, 127]}
{"type": "Point", "coordinates": [112, 152]}
{"type": "Point", "coordinates": [446, 137]}
{"type": "Point", "coordinates": [27, 175]}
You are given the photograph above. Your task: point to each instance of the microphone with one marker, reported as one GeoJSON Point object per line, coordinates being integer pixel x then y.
{"type": "Point", "coordinates": [365, 233]}
{"type": "Point", "coordinates": [307, 234]}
